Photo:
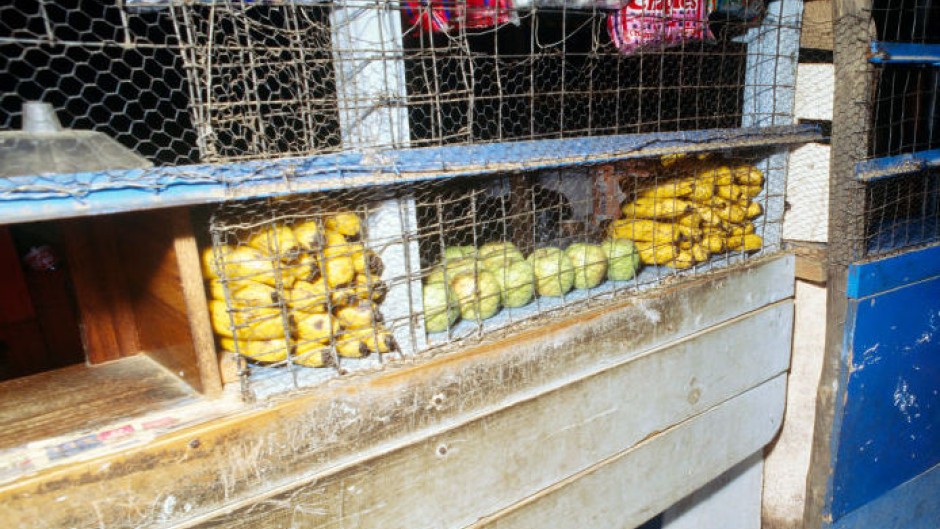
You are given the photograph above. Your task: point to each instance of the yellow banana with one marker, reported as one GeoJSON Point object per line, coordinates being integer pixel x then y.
{"type": "Point", "coordinates": [675, 188]}
{"type": "Point", "coordinates": [656, 253]}
{"type": "Point", "coordinates": [207, 258]}
{"type": "Point", "coordinates": [275, 240]}
{"type": "Point", "coordinates": [318, 327]}
{"type": "Point", "coordinates": [748, 242]}
{"type": "Point", "coordinates": [267, 351]}
{"type": "Point", "coordinates": [249, 263]}
{"type": "Point", "coordinates": [714, 242]}
{"type": "Point", "coordinates": [656, 208]}
{"type": "Point", "coordinates": [379, 340]}
{"type": "Point", "coordinates": [357, 316]}
{"type": "Point", "coordinates": [307, 296]}
{"type": "Point", "coordinates": [311, 354]}
{"type": "Point", "coordinates": [743, 229]}
{"type": "Point", "coordinates": [347, 224]}
{"type": "Point", "coordinates": [309, 235]}
{"type": "Point", "coordinates": [732, 213]}
{"type": "Point", "coordinates": [753, 210]}
{"type": "Point", "coordinates": [683, 260]}
{"type": "Point", "coordinates": [748, 175]}
{"type": "Point", "coordinates": [700, 252]}
{"type": "Point", "coordinates": [338, 271]}
{"type": "Point", "coordinates": [643, 230]}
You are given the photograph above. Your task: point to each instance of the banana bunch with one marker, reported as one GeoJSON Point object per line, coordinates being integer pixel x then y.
{"type": "Point", "coordinates": [689, 218]}
{"type": "Point", "coordinates": [301, 289]}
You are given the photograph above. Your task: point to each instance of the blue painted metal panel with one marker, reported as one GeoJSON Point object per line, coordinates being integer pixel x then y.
{"type": "Point", "coordinates": [905, 53]}
{"type": "Point", "coordinates": [40, 197]}
{"type": "Point", "coordinates": [914, 504]}
{"type": "Point", "coordinates": [868, 279]}
{"type": "Point", "coordinates": [890, 166]}
{"type": "Point", "coordinates": [890, 423]}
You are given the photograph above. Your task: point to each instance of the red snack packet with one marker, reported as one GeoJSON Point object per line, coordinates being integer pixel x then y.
{"type": "Point", "coordinates": [656, 24]}
{"type": "Point", "coordinates": [445, 15]}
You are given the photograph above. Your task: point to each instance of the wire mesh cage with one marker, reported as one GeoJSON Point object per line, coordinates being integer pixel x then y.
{"type": "Point", "coordinates": [886, 193]}
{"type": "Point", "coordinates": [398, 178]}
{"type": "Point", "coordinates": [353, 280]}
{"type": "Point", "coordinates": [182, 82]}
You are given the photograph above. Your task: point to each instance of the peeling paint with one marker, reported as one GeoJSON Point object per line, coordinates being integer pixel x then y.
{"type": "Point", "coordinates": [904, 400]}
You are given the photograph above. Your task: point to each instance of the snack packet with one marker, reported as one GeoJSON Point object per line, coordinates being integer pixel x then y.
{"type": "Point", "coordinates": [446, 15]}
{"type": "Point", "coordinates": [656, 24]}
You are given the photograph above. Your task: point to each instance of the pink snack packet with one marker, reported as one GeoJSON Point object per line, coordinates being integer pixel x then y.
{"type": "Point", "coordinates": [656, 24]}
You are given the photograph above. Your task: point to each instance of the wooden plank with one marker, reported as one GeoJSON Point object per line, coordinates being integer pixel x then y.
{"type": "Point", "coordinates": [732, 500]}
{"type": "Point", "coordinates": [853, 30]}
{"type": "Point", "coordinates": [15, 304]}
{"type": "Point", "coordinates": [499, 459]}
{"type": "Point", "coordinates": [82, 397]}
{"type": "Point", "coordinates": [637, 484]}
{"type": "Point", "coordinates": [196, 309]}
{"type": "Point", "coordinates": [812, 261]}
{"type": "Point", "coordinates": [218, 465]}
{"type": "Point", "coordinates": [868, 279]}
{"type": "Point", "coordinates": [817, 25]}
{"type": "Point", "coordinates": [108, 324]}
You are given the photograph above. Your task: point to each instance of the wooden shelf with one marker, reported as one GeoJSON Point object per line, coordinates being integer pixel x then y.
{"type": "Point", "coordinates": [80, 398]}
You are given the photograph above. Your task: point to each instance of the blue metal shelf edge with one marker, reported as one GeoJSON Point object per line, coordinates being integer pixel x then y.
{"type": "Point", "coordinates": [891, 166]}
{"type": "Point", "coordinates": [905, 53]}
{"type": "Point", "coordinates": [45, 197]}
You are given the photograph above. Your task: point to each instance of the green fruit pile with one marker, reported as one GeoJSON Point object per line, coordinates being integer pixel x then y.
{"type": "Point", "coordinates": [475, 283]}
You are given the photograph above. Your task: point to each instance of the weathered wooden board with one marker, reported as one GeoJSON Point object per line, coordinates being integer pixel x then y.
{"type": "Point", "coordinates": [497, 460]}
{"type": "Point", "coordinates": [638, 483]}
{"type": "Point", "coordinates": [274, 448]}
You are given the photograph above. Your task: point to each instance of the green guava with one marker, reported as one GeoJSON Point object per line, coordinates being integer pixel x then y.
{"type": "Point", "coordinates": [464, 264]}
{"type": "Point", "coordinates": [590, 264]}
{"type": "Point", "coordinates": [498, 259]}
{"type": "Point", "coordinates": [478, 294]}
{"type": "Point", "coordinates": [623, 259]}
{"type": "Point", "coordinates": [441, 309]}
{"type": "Point", "coordinates": [499, 248]}
{"type": "Point", "coordinates": [456, 252]}
{"type": "Point", "coordinates": [554, 273]}
{"type": "Point", "coordinates": [516, 282]}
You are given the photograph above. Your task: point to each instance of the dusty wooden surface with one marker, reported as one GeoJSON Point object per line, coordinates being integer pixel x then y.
{"type": "Point", "coordinates": [198, 474]}
{"type": "Point", "coordinates": [83, 397]}
{"type": "Point", "coordinates": [538, 447]}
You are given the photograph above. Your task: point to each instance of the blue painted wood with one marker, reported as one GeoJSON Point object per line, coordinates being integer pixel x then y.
{"type": "Point", "coordinates": [914, 504]}
{"type": "Point", "coordinates": [905, 53]}
{"type": "Point", "coordinates": [891, 166]}
{"type": "Point", "coordinates": [868, 279]}
{"type": "Point", "coordinates": [889, 428]}
{"type": "Point", "coordinates": [42, 197]}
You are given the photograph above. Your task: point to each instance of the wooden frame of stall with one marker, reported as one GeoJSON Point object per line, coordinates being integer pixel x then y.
{"type": "Point", "coordinates": [611, 410]}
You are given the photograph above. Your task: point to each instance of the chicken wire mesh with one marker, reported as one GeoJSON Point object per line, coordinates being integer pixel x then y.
{"type": "Point", "coordinates": [884, 194]}
{"type": "Point", "coordinates": [220, 81]}
{"type": "Point", "coordinates": [312, 287]}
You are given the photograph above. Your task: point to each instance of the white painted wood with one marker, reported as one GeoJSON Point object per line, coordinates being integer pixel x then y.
{"type": "Point", "coordinates": [371, 93]}
{"type": "Point", "coordinates": [814, 91]}
{"type": "Point", "coordinates": [769, 81]}
{"type": "Point", "coordinates": [808, 194]}
{"type": "Point", "coordinates": [787, 463]}
{"type": "Point", "coordinates": [730, 501]}
{"type": "Point", "coordinates": [637, 484]}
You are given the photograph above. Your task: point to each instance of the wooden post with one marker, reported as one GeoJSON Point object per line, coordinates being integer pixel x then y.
{"type": "Point", "coordinates": [370, 85]}
{"type": "Point", "coordinates": [850, 127]}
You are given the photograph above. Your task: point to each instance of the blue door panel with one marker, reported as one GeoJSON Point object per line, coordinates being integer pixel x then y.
{"type": "Point", "coordinates": [890, 424]}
